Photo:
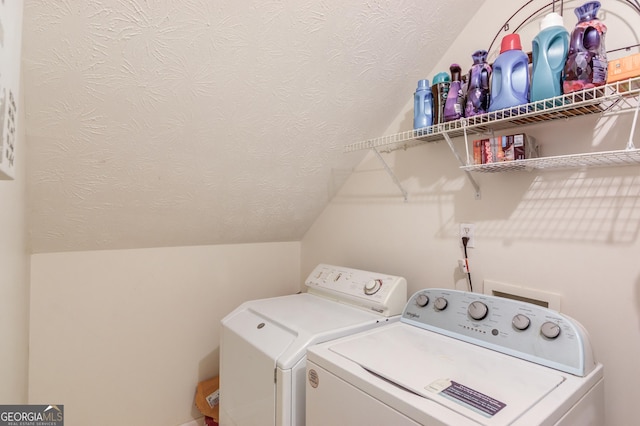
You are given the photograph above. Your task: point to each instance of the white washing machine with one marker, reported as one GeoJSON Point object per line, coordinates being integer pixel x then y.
{"type": "Point", "coordinates": [458, 358]}
{"type": "Point", "coordinates": [264, 342]}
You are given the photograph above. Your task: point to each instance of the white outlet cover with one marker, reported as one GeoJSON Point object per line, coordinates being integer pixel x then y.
{"type": "Point", "coordinates": [468, 229]}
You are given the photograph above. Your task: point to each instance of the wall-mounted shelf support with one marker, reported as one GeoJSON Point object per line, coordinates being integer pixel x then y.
{"type": "Point", "coordinates": [393, 175]}
{"type": "Point", "coordinates": [463, 163]}
{"type": "Point", "coordinates": [633, 125]}
{"type": "Point", "coordinates": [621, 96]}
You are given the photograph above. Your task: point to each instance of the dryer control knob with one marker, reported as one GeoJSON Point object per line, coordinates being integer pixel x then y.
{"type": "Point", "coordinates": [440, 303]}
{"type": "Point", "coordinates": [521, 322]}
{"type": "Point", "coordinates": [550, 330]}
{"type": "Point", "coordinates": [422, 300]}
{"type": "Point", "coordinates": [477, 310]}
{"type": "Point", "coordinates": [372, 287]}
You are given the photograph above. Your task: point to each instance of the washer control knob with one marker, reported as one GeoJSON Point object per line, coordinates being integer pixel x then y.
{"type": "Point", "coordinates": [440, 304]}
{"type": "Point", "coordinates": [477, 310]}
{"type": "Point", "coordinates": [550, 330]}
{"type": "Point", "coordinates": [521, 322]}
{"type": "Point", "coordinates": [422, 300]}
{"type": "Point", "coordinates": [372, 287]}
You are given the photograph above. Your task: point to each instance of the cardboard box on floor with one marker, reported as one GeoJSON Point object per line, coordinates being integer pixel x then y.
{"type": "Point", "coordinates": [208, 397]}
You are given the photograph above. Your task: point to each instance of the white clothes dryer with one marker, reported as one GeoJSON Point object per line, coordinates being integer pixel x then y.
{"type": "Point", "coordinates": [459, 358]}
{"type": "Point", "coordinates": [263, 342]}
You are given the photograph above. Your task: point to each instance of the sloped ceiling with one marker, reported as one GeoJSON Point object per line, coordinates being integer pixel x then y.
{"type": "Point", "coordinates": [172, 123]}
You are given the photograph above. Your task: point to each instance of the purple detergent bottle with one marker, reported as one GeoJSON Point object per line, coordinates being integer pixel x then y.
{"type": "Point", "coordinates": [453, 109]}
{"type": "Point", "coordinates": [478, 89]}
{"type": "Point", "coordinates": [586, 65]}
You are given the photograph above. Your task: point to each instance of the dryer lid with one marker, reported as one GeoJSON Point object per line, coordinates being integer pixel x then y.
{"type": "Point", "coordinates": [283, 327]}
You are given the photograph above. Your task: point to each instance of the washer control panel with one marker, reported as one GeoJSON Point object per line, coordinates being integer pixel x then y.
{"type": "Point", "coordinates": [381, 293]}
{"type": "Point", "coordinates": [516, 328]}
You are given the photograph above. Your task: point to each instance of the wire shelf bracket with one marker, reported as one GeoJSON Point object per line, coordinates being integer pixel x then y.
{"type": "Point", "coordinates": [470, 178]}
{"type": "Point", "coordinates": [395, 179]}
{"type": "Point", "coordinates": [621, 96]}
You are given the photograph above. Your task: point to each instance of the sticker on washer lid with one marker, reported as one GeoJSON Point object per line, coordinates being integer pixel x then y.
{"type": "Point", "coordinates": [470, 398]}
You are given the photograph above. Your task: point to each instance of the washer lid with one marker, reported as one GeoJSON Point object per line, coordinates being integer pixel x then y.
{"type": "Point", "coordinates": [486, 386]}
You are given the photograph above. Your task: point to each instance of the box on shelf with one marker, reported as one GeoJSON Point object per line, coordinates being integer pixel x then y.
{"type": "Point", "coordinates": [504, 148]}
{"type": "Point", "coordinates": [624, 68]}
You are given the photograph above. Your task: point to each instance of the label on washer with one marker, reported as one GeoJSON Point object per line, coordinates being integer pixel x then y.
{"type": "Point", "coordinates": [467, 397]}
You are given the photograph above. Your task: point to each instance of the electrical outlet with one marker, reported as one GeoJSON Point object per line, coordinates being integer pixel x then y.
{"type": "Point", "coordinates": [468, 230]}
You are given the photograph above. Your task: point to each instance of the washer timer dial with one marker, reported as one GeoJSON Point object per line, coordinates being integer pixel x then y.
{"type": "Point", "coordinates": [477, 310]}
{"type": "Point", "coordinates": [550, 330]}
{"type": "Point", "coordinates": [521, 322]}
{"type": "Point", "coordinates": [440, 304]}
{"type": "Point", "coordinates": [422, 300]}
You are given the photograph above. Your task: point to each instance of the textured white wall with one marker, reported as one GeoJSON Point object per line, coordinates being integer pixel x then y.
{"type": "Point", "coordinates": [163, 123]}
{"type": "Point", "coordinates": [123, 337]}
{"type": "Point", "coordinates": [14, 264]}
{"type": "Point", "coordinates": [573, 232]}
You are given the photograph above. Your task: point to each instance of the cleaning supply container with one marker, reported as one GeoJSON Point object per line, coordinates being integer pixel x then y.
{"type": "Point", "coordinates": [453, 108]}
{"type": "Point", "coordinates": [510, 82]}
{"type": "Point", "coordinates": [550, 49]}
{"type": "Point", "coordinates": [439, 93]}
{"type": "Point", "coordinates": [586, 65]}
{"type": "Point", "coordinates": [478, 89]}
{"type": "Point", "coordinates": [422, 106]}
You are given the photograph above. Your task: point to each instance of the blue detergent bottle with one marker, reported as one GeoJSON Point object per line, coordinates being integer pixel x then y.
{"type": "Point", "coordinates": [510, 78]}
{"type": "Point", "coordinates": [550, 49]}
{"type": "Point", "coordinates": [422, 105]}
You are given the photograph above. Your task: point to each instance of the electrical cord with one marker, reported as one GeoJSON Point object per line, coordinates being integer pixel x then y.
{"type": "Point", "coordinates": [465, 240]}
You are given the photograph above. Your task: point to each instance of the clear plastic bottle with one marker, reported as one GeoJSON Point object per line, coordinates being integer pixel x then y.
{"type": "Point", "coordinates": [550, 49]}
{"type": "Point", "coordinates": [422, 106]}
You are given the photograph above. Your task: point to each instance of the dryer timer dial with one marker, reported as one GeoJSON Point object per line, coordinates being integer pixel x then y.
{"type": "Point", "coordinates": [372, 287]}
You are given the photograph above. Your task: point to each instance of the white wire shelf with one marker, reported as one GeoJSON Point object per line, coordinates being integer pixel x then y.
{"type": "Point", "coordinates": [626, 157]}
{"type": "Point", "coordinates": [611, 97]}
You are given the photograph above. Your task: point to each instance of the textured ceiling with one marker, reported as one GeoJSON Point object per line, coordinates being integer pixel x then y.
{"type": "Point", "coordinates": [171, 123]}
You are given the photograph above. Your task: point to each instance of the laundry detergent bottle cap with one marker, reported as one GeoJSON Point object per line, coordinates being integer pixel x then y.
{"type": "Point", "coordinates": [553, 19]}
{"type": "Point", "coordinates": [441, 77]}
{"type": "Point", "coordinates": [588, 11]}
{"type": "Point", "coordinates": [510, 42]}
{"type": "Point", "coordinates": [423, 84]}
